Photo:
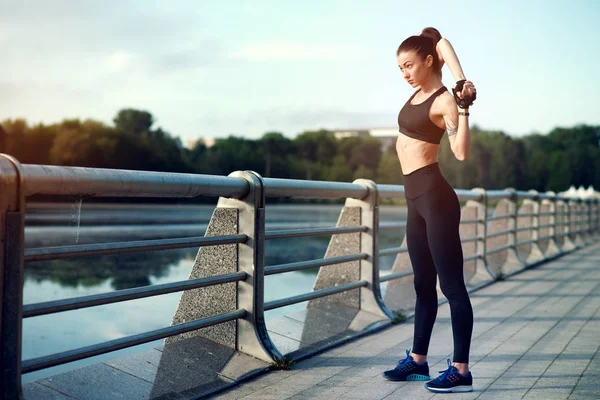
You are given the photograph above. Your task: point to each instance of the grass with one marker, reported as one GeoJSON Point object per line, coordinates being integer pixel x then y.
{"type": "Point", "coordinates": [284, 363]}
{"type": "Point", "coordinates": [398, 318]}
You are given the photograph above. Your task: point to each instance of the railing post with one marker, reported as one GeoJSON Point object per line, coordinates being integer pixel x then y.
{"type": "Point", "coordinates": [252, 337]}
{"type": "Point", "coordinates": [590, 220]}
{"type": "Point", "coordinates": [567, 244]}
{"type": "Point", "coordinates": [12, 209]}
{"type": "Point", "coordinates": [573, 206]}
{"type": "Point", "coordinates": [536, 254]}
{"type": "Point", "coordinates": [595, 220]}
{"type": "Point", "coordinates": [553, 248]}
{"type": "Point", "coordinates": [512, 226]}
{"type": "Point", "coordinates": [481, 231]}
{"type": "Point", "coordinates": [370, 295]}
{"type": "Point", "coordinates": [584, 214]}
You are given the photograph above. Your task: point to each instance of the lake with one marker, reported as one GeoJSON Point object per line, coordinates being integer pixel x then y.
{"type": "Point", "coordinates": [79, 222]}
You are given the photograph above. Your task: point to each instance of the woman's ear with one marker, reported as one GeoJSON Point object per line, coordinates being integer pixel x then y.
{"type": "Point", "coordinates": [429, 60]}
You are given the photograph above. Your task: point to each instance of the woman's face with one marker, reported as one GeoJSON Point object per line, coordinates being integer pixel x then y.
{"type": "Point", "coordinates": [414, 69]}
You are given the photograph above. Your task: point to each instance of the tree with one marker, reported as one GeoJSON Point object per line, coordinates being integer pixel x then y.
{"type": "Point", "coordinates": [2, 140]}
{"type": "Point", "coordinates": [133, 122]}
{"type": "Point", "coordinates": [276, 148]}
{"type": "Point", "coordinates": [15, 131]}
{"type": "Point", "coordinates": [317, 148]}
{"type": "Point", "coordinates": [39, 140]}
{"type": "Point", "coordinates": [367, 153]}
{"type": "Point", "coordinates": [364, 173]}
{"type": "Point", "coordinates": [339, 170]}
{"type": "Point", "coordinates": [389, 170]}
{"type": "Point", "coordinates": [85, 144]}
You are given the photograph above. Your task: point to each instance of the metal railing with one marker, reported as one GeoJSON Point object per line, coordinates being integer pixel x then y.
{"type": "Point", "coordinates": [569, 223]}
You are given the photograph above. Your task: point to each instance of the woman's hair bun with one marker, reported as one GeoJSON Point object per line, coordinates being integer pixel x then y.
{"type": "Point", "coordinates": [432, 33]}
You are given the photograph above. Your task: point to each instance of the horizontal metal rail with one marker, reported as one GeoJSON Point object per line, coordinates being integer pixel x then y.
{"type": "Point", "coordinates": [271, 305]}
{"type": "Point", "coordinates": [464, 194]}
{"type": "Point", "coordinates": [498, 249]}
{"type": "Point", "coordinates": [392, 226]}
{"type": "Point", "coordinates": [392, 250]}
{"type": "Point", "coordinates": [295, 188]}
{"type": "Point", "coordinates": [78, 181]}
{"type": "Point", "coordinates": [527, 215]}
{"type": "Point", "coordinates": [521, 194]}
{"type": "Point", "coordinates": [546, 237]}
{"type": "Point", "coordinates": [499, 233]}
{"type": "Point", "coordinates": [524, 242]}
{"type": "Point", "coordinates": [321, 262]}
{"type": "Point", "coordinates": [546, 213]}
{"type": "Point", "coordinates": [471, 221]}
{"type": "Point", "coordinates": [498, 194]}
{"type": "Point", "coordinates": [470, 239]}
{"type": "Point", "coordinates": [526, 228]}
{"type": "Point", "coordinates": [390, 191]}
{"type": "Point", "coordinates": [542, 226]}
{"type": "Point", "coordinates": [286, 234]}
{"type": "Point", "coordinates": [99, 249]}
{"type": "Point", "coordinates": [75, 303]}
{"type": "Point", "coordinates": [473, 257]}
{"type": "Point", "coordinates": [52, 360]}
{"type": "Point", "coordinates": [395, 275]}
{"type": "Point", "coordinates": [502, 216]}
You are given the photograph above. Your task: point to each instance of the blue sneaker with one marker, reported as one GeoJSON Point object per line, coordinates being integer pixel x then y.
{"type": "Point", "coordinates": [450, 381]}
{"type": "Point", "coordinates": [408, 370]}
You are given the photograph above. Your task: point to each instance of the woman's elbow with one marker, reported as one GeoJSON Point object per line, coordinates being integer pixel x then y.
{"type": "Point", "coordinates": [461, 155]}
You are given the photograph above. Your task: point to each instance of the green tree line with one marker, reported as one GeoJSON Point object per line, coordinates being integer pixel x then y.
{"type": "Point", "coordinates": [552, 161]}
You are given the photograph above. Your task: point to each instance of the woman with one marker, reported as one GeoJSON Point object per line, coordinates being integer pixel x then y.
{"type": "Point", "coordinates": [433, 209]}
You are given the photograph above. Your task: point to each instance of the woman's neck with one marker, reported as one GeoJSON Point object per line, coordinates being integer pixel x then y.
{"type": "Point", "coordinates": [431, 85]}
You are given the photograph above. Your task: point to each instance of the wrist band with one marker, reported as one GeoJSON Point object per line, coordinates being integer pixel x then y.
{"type": "Point", "coordinates": [464, 102]}
{"type": "Point", "coordinates": [464, 113]}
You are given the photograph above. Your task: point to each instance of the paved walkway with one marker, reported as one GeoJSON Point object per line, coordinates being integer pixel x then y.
{"type": "Point", "coordinates": [536, 336]}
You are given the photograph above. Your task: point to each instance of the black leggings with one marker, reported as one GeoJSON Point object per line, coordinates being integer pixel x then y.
{"type": "Point", "coordinates": [434, 248]}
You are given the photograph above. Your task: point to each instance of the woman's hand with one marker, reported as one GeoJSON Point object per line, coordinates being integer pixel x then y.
{"type": "Point", "coordinates": [467, 90]}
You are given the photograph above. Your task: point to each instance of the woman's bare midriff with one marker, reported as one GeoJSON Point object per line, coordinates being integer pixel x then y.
{"type": "Point", "coordinates": [414, 154]}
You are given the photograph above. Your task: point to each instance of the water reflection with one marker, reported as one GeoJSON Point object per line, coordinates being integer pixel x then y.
{"type": "Point", "coordinates": [60, 279]}
{"type": "Point", "coordinates": [122, 271]}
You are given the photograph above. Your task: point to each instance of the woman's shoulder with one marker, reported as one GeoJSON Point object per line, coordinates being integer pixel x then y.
{"type": "Point", "coordinates": [445, 101]}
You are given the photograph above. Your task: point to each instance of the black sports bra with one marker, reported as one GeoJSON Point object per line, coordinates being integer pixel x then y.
{"type": "Point", "coordinates": [414, 121]}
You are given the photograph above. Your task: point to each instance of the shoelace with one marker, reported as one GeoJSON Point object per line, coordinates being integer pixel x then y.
{"type": "Point", "coordinates": [446, 373]}
{"type": "Point", "coordinates": [402, 363]}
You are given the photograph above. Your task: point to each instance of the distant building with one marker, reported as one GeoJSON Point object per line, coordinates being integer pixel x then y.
{"type": "Point", "coordinates": [588, 193]}
{"type": "Point", "coordinates": [345, 133]}
{"type": "Point", "coordinates": [208, 142]}
{"type": "Point", "coordinates": [387, 136]}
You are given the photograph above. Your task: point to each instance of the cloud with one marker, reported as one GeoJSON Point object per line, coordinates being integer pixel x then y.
{"type": "Point", "coordinates": [290, 51]}
{"type": "Point", "coordinates": [255, 122]}
{"type": "Point", "coordinates": [189, 55]}
{"type": "Point", "coordinates": [118, 60]}
{"type": "Point", "coordinates": [322, 118]}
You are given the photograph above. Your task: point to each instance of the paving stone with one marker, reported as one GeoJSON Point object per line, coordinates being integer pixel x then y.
{"type": "Point", "coordinates": [99, 382]}
{"type": "Point", "coordinates": [527, 332]}
{"type": "Point", "coordinates": [35, 391]}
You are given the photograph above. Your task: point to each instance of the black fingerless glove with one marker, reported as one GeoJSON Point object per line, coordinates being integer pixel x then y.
{"type": "Point", "coordinates": [466, 101]}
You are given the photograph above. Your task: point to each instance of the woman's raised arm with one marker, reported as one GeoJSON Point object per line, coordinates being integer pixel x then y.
{"type": "Point", "coordinates": [447, 55]}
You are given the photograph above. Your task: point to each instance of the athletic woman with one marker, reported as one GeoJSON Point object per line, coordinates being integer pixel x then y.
{"type": "Point", "coordinates": [433, 209]}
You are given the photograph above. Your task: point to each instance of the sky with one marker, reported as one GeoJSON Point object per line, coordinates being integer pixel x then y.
{"type": "Point", "coordinates": [213, 68]}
